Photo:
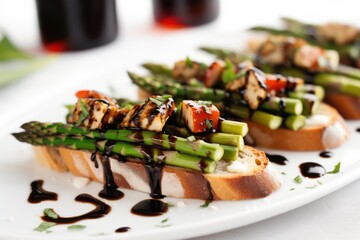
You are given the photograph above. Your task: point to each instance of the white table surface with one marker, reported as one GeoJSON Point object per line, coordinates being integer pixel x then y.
{"type": "Point", "coordinates": [335, 216]}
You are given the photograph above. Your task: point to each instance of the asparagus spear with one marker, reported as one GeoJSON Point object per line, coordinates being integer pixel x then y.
{"type": "Point", "coordinates": [312, 89]}
{"type": "Point", "coordinates": [309, 101]}
{"type": "Point", "coordinates": [216, 95]}
{"type": "Point", "coordinates": [269, 120]}
{"type": "Point", "coordinates": [295, 122]}
{"type": "Point", "coordinates": [128, 150]}
{"type": "Point", "coordinates": [336, 83]}
{"type": "Point", "coordinates": [283, 105]}
{"type": "Point", "coordinates": [194, 148]}
{"type": "Point", "coordinates": [231, 153]}
{"type": "Point", "coordinates": [176, 89]}
{"type": "Point", "coordinates": [233, 127]}
{"type": "Point", "coordinates": [159, 69]}
{"type": "Point", "coordinates": [219, 138]}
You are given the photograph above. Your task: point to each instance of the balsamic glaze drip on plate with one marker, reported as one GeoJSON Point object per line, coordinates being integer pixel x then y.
{"type": "Point", "coordinates": [312, 170]}
{"type": "Point", "coordinates": [154, 170]}
{"type": "Point", "coordinates": [149, 208]}
{"type": "Point", "coordinates": [39, 194]}
{"type": "Point", "coordinates": [122, 229]}
{"type": "Point", "coordinates": [101, 209]}
{"type": "Point", "coordinates": [326, 154]}
{"type": "Point", "coordinates": [358, 129]}
{"type": "Point", "coordinates": [278, 159]}
{"type": "Point", "coordinates": [109, 190]}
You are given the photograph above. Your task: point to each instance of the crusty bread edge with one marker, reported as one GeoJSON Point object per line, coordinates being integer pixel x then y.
{"type": "Point", "coordinates": [176, 182]}
{"type": "Point", "coordinates": [310, 138]}
{"type": "Point", "coordinates": [348, 106]}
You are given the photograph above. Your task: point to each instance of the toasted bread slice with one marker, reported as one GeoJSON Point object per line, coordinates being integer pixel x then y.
{"type": "Point", "coordinates": [348, 106]}
{"type": "Point", "coordinates": [257, 178]}
{"type": "Point", "coordinates": [325, 129]}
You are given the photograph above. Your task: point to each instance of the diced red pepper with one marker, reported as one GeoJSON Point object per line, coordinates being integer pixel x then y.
{"type": "Point", "coordinates": [200, 116]}
{"type": "Point", "coordinates": [279, 83]}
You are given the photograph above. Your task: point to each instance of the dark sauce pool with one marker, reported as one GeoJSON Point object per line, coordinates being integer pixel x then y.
{"type": "Point", "coordinates": [150, 208]}
{"type": "Point", "coordinates": [39, 194]}
{"type": "Point", "coordinates": [101, 209]}
{"type": "Point", "coordinates": [312, 170]}
{"type": "Point", "coordinates": [278, 159]}
{"type": "Point", "coordinates": [326, 154]}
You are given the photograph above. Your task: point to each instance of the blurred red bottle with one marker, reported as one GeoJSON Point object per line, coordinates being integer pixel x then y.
{"type": "Point", "coordinates": [185, 13]}
{"type": "Point", "coordinates": [70, 25]}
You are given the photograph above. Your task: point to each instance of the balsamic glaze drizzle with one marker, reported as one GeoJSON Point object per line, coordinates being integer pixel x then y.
{"type": "Point", "coordinates": [358, 130]}
{"type": "Point", "coordinates": [154, 170]}
{"type": "Point", "coordinates": [278, 159]}
{"type": "Point", "coordinates": [94, 160]}
{"type": "Point", "coordinates": [312, 170]}
{"type": "Point", "coordinates": [122, 229]}
{"type": "Point", "coordinates": [109, 190]}
{"type": "Point", "coordinates": [326, 154]}
{"type": "Point", "coordinates": [101, 209]}
{"type": "Point", "coordinates": [39, 194]}
{"type": "Point", "coordinates": [150, 208]}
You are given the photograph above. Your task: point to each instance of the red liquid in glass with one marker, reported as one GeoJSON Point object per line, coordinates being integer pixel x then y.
{"type": "Point", "coordinates": [184, 13]}
{"type": "Point", "coordinates": [69, 25]}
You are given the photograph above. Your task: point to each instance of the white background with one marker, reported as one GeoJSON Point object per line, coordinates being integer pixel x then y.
{"type": "Point", "coordinates": [336, 216]}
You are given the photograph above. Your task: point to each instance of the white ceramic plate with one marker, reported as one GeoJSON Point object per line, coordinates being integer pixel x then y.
{"type": "Point", "coordinates": [18, 218]}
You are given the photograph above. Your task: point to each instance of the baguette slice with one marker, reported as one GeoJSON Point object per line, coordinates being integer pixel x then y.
{"type": "Point", "coordinates": [348, 106]}
{"type": "Point", "coordinates": [257, 179]}
{"type": "Point", "coordinates": [323, 130]}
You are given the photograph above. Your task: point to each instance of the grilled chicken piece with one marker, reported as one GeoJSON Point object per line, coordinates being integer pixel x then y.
{"type": "Point", "coordinates": [251, 86]}
{"type": "Point", "coordinates": [282, 50]}
{"type": "Point", "coordinates": [184, 71]}
{"type": "Point", "coordinates": [315, 58]}
{"type": "Point", "coordinates": [96, 113]}
{"type": "Point", "coordinates": [200, 116]}
{"type": "Point", "coordinates": [340, 34]}
{"type": "Point", "coordinates": [152, 115]}
{"type": "Point", "coordinates": [276, 50]}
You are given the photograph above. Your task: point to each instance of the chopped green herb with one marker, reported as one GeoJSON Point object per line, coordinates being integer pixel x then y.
{"type": "Point", "coordinates": [228, 74]}
{"type": "Point", "coordinates": [206, 105]}
{"type": "Point", "coordinates": [98, 234]}
{"type": "Point", "coordinates": [48, 231]}
{"type": "Point", "coordinates": [44, 226]}
{"type": "Point", "coordinates": [298, 179]}
{"type": "Point", "coordinates": [191, 138]}
{"type": "Point", "coordinates": [164, 220]}
{"type": "Point", "coordinates": [164, 225]}
{"type": "Point", "coordinates": [84, 113]}
{"type": "Point", "coordinates": [311, 187]}
{"type": "Point", "coordinates": [160, 99]}
{"type": "Point", "coordinates": [76, 227]}
{"type": "Point", "coordinates": [319, 182]}
{"type": "Point", "coordinates": [292, 189]}
{"type": "Point", "coordinates": [208, 124]}
{"type": "Point", "coordinates": [336, 169]}
{"type": "Point", "coordinates": [169, 204]}
{"type": "Point", "coordinates": [203, 66]}
{"type": "Point", "coordinates": [189, 62]}
{"type": "Point", "coordinates": [50, 213]}
{"type": "Point", "coordinates": [283, 173]}
{"type": "Point", "coordinates": [206, 204]}
{"type": "Point", "coordinates": [70, 107]}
